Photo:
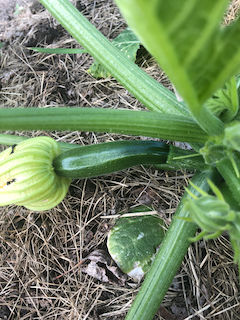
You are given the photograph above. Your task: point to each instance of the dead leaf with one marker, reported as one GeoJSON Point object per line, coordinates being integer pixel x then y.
{"type": "Point", "coordinates": [101, 266]}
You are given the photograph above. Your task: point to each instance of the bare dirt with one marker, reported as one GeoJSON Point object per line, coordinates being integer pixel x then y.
{"type": "Point", "coordinates": [8, 8]}
{"type": "Point", "coordinates": [37, 248]}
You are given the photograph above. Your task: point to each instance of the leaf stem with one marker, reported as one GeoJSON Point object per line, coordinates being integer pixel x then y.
{"type": "Point", "coordinates": [10, 140]}
{"type": "Point", "coordinates": [206, 120]}
{"type": "Point", "coordinates": [226, 169]}
{"type": "Point", "coordinates": [170, 255]}
{"type": "Point", "coordinates": [144, 123]}
{"type": "Point", "coordinates": [147, 90]}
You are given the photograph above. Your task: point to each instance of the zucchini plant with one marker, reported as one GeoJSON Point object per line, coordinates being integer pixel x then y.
{"type": "Point", "coordinates": [202, 59]}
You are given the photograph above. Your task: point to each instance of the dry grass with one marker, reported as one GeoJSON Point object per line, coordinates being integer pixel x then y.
{"type": "Point", "coordinates": [37, 247]}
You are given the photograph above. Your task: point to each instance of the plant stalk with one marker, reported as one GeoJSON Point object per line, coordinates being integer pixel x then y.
{"type": "Point", "coordinates": [147, 21]}
{"type": "Point", "coordinates": [225, 168]}
{"type": "Point", "coordinates": [148, 91]}
{"type": "Point", "coordinates": [170, 255]}
{"type": "Point", "coordinates": [150, 124]}
{"type": "Point", "coordinates": [10, 140]}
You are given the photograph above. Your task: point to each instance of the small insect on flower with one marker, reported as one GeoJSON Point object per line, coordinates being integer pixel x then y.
{"type": "Point", "coordinates": [27, 176]}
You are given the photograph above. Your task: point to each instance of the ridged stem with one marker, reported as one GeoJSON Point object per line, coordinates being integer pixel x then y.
{"type": "Point", "coordinates": [148, 91]}
{"type": "Point", "coordinates": [150, 124]}
{"type": "Point", "coordinates": [10, 140]}
{"type": "Point", "coordinates": [227, 171]}
{"type": "Point", "coordinates": [170, 255]}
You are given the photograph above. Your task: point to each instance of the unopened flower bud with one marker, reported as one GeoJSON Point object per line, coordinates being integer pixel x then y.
{"type": "Point", "coordinates": [211, 214]}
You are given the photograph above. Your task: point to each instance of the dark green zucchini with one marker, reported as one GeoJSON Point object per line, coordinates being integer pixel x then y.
{"type": "Point", "coordinates": [99, 159]}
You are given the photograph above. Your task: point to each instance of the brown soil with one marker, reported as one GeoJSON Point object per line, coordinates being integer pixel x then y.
{"type": "Point", "coordinates": [35, 248]}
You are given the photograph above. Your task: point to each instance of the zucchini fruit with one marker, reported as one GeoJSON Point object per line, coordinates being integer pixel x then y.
{"type": "Point", "coordinates": [104, 158]}
{"type": "Point", "coordinates": [99, 159]}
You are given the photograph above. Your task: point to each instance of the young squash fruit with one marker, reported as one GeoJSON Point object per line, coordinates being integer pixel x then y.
{"type": "Point", "coordinates": [108, 157]}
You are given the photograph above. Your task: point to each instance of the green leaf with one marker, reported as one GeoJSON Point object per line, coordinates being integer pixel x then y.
{"type": "Point", "coordinates": [18, 9]}
{"type": "Point", "coordinates": [127, 43]}
{"type": "Point", "coordinates": [58, 50]}
{"type": "Point", "coordinates": [224, 102]}
{"type": "Point", "coordinates": [197, 53]}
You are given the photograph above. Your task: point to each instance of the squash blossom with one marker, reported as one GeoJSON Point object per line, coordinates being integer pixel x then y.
{"type": "Point", "coordinates": [27, 176]}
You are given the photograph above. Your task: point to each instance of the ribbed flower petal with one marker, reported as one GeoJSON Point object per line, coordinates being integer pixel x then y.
{"type": "Point", "coordinates": [27, 176]}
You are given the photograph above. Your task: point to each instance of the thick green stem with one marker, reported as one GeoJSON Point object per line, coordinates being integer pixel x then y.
{"type": "Point", "coordinates": [150, 124]}
{"type": "Point", "coordinates": [206, 120]}
{"type": "Point", "coordinates": [147, 20]}
{"type": "Point", "coordinates": [184, 159]}
{"type": "Point", "coordinates": [228, 196]}
{"type": "Point", "coordinates": [148, 91]}
{"type": "Point", "coordinates": [169, 257]}
{"type": "Point", "coordinates": [10, 140]}
{"type": "Point", "coordinates": [227, 171]}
